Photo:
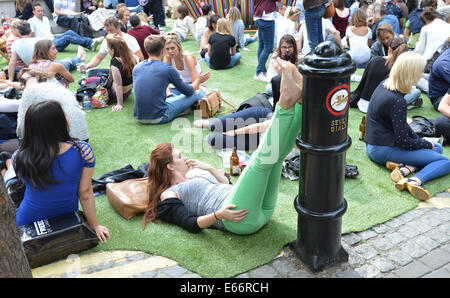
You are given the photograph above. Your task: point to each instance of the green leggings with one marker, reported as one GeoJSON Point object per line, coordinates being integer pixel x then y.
{"type": "Point", "coordinates": [257, 188]}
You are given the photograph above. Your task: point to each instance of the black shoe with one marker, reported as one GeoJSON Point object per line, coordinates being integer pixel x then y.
{"type": "Point", "coordinates": [415, 104]}
{"type": "Point", "coordinates": [354, 98]}
{"type": "Point", "coordinates": [351, 171]}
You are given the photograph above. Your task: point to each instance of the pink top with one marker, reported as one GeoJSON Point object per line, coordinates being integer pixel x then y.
{"type": "Point", "coordinates": [44, 65]}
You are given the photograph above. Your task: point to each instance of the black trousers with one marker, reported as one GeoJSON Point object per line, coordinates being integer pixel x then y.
{"type": "Point", "coordinates": [155, 8]}
{"type": "Point", "coordinates": [442, 124]}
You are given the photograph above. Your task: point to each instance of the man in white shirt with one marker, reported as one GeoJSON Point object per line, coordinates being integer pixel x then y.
{"type": "Point", "coordinates": [281, 10]}
{"type": "Point", "coordinates": [65, 15]}
{"type": "Point", "coordinates": [112, 26]}
{"type": "Point", "coordinates": [40, 25]}
{"type": "Point", "coordinates": [202, 22]}
{"type": "Point", "coordinates": [22, 48]}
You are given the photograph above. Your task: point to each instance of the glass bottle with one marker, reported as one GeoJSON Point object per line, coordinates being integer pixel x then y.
{"type": "Point", "coordinates": [362, 129]}
{"type": "Point", "coordinates": [234, 163]}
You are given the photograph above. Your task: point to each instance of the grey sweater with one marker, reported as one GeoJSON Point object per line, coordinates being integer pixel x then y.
{"type": "Point", "coordinates": [54, 91]}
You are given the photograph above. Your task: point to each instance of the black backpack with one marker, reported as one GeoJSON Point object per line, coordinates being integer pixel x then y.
{"type": "Point", "coordinates": [259, 100]}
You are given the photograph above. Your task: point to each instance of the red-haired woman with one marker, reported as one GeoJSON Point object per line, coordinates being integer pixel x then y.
{"type": "Point", "coordinates": [122, 64]}
{"type": "Point", "coordinates": [208, 199]}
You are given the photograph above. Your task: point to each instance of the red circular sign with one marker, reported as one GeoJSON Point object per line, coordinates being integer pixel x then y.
{"type": "Point", "coordinates": [338, 99]}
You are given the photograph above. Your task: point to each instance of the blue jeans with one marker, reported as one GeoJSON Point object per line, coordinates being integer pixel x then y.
{"type": "Point", "coordinates": [236, 120]}
{"type": "Point", "coordinates": [415, 93]}
{"type": "Point", "coordinates": [70, 63]}
{"type": "Point", "coordinates": [68, 37]}
{"type": "Point", "coordinates": [234, 60]}
{"type": "Point", "coordinates": [431, 162]}
{"type": "Point", "coordinates": [113, 3]}
{"type": "Point", "coordinates": [313, 22]}
{"type": "Point", "coordinates": [178, 104]}
{"type": "Point", "coordinates": [249, 39]}
{"type": "Point", "coordinates": [266, 35]}
{"type": "Point", "coordinates": [68, 22]}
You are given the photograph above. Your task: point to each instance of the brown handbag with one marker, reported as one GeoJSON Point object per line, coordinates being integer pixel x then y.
{"type": "Point", "coordinates": [211, 104]}
{"type": "Point", "coordinates": [330, 10]}
{"type": "Point", "coordinates": [128, 197]}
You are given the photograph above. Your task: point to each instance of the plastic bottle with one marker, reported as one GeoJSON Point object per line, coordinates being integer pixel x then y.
{"type": "Point", "coordinates": [362, 128]}
{"type": "Point", "coordinates": [86, 102]}
{"type": "Point", "coordinates": [234, 163]}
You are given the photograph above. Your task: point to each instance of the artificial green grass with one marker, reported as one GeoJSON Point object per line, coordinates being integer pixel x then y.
{"type": "Point", "coordinates": [118, 140]}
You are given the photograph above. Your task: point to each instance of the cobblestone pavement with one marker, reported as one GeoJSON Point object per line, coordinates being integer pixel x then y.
{"type": "Point", "coordinates": [414, 244]}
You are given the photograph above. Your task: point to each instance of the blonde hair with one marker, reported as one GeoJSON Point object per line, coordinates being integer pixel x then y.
{"type": "Point", "coordinates": [13, 23]}
{"type": "Point", "coordinates": [292, 11]}
{"type": "Point", "coordinates": [405, 72]}
{"type": "Point", "coordinates": [233, 15]}
{"type": "Point", "coordinates": [173, 37]}
{"type": "Point", "coordinates": [143, 17]}
{"type": "Point", "coordinates": [224, 27]}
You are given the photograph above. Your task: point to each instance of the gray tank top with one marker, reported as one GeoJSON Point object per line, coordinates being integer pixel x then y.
{"type": "Point", "coordinates": [203, 195]}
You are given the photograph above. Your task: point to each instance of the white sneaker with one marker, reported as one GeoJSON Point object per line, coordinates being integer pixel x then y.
{"type": "Point", "coordinates": [96, 42]}
{"type": "Point", "coordinates": [261, 77]}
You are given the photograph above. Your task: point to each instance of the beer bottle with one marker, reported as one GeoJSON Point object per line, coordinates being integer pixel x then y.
{"type": "Point", "coordinates": [362, 128]}
{"type": "Point", "coordinates": [234, 163]}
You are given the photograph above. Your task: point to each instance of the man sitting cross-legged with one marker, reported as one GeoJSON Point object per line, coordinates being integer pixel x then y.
{"type": "Point", "coordinates": [150, 81]}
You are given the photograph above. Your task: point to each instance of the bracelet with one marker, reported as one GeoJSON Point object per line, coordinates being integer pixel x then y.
{"type": "Point", "coordinates": [215, 215]}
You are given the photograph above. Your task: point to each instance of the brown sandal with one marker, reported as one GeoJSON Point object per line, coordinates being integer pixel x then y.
{"type": "Point", "coordinates": [397, 174]}
{"type": "Point", "coordinates": [414, 188]}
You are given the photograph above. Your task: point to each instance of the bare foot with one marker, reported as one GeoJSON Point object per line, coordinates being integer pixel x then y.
{"type": "Point", "coordinates": [81, 53]}
{"type": "Point", "coordinates": [291, 84]}
{"type": "Point", "coordinates": [201, 123]}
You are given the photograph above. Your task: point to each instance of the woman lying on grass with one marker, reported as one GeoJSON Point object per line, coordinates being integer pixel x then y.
{"type": "Point", "coordinates": [208, 200]}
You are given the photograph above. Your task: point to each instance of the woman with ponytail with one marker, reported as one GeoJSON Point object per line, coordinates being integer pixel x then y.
{"type": "Point", "coordinates": [378, 70]}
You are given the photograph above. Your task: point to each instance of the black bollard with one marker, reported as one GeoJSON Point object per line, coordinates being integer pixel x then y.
{"type": "Point", "coordinates": [323, 142]}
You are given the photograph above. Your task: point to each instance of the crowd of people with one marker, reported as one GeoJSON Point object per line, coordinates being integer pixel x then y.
{"type": "Point", "coordinates": [403, 48]}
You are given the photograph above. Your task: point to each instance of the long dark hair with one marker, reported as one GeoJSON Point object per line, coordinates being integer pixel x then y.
{"type": "Point", "coordinates": [45, 127]}
{"type": "Point", "coordinates": [120, 48]}
{"type": "Point", "coordinates": [41, 50]}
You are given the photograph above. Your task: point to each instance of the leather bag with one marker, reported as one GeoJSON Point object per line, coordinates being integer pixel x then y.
{"type": "Point", "coordinates": [211, 104]}
{"type": "Point", "coordinates": [129, 197]}
{"type": "Point", "coordinates": [423, 127]}
{"type": "Point", "coordinates": [329, 11]}
{"type": "Point", "coordinates": [52, 239]}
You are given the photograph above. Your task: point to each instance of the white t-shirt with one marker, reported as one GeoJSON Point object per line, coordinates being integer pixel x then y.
{"type": "Point", "coordinates": [432, 37]}
{"type": "Point", "coordinates": [326, 25]}
{"type": "Point", "coordinates": [130, 40]}
{"type": "Point", "coordinates": [41, 28]}
{"type": "Point", "coordinates": [359, 49]}
{"type": "Point", "coordinates": [285, 26]}
{"type": "Point", "coordinates": [24, 48]}
{"type": "Point", "coordinates": [184, 26]}
{"type": "Point", "coordinates": [200, 27]}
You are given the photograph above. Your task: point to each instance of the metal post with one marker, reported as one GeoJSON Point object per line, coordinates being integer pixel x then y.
{"type": "Point", "coordinates": [323, 142]}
